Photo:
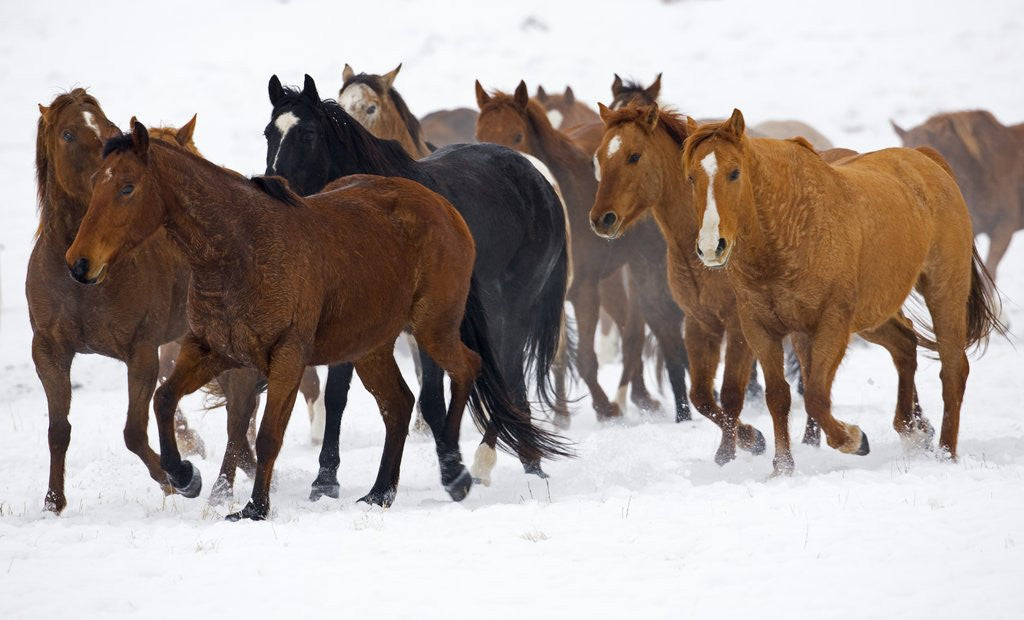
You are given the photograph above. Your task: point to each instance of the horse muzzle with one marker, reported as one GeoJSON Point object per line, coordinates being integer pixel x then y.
{"type": "Point", "coordinates": [82, 272]}
{"type": "Point", "coordinates": [608, 226]}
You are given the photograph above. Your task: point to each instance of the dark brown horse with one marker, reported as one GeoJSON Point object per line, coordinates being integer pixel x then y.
{"type": "Point", "coordinates": [819, 252]}
{"type": "Point", "coordinates": [988, 161]}
{"type": "Point", "coordinates": [259, 297]}
{"type": "Point", "coordinates": [520, 123]}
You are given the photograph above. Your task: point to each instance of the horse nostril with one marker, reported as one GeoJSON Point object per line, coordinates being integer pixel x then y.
{"type": "Point", "coordinates": [609, 219]}
{"type": "Point", "coordinates": [80, 270]}
{"type": "Point", "coordinates": [721, 247]}
{"type": "Point", "coordinates": [699, 252]}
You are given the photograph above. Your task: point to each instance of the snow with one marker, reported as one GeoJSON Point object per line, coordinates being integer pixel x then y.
{"type": "Point", "coordinates": [643, 522]}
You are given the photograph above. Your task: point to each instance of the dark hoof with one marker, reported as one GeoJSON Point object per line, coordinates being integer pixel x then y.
{"type": "Point", "coordinates": [459, 488]}
{"type": "Point", "coordinates": [812, 439]}
{"type": "Point", "coordinates": [683, 413]}
{"type": "Point", "coordinates": [222, 491]}
{"type": "Point", "coordinates": [725, 455]}
{"type": "Point", "coordinates": [384, 499]}
{"type": "Point", "coordinates": [187, 481]}
{"type": "Point", "coordinates": [55, 502]}
{"type": "Point", "coordinates": [535, 469]}
{"type": "Point", "coordinates": [319, 489]}
{"type": "Point", "coordinates": [646, 404]}
{"type": "Point", "coordinates": [611, 412]}
{"type": "Point", "coordinates": [864, 447]}
{"type": "Point", "coordinates": [250, 512]}
{"type": "Point", "coordinates": [751, 440]}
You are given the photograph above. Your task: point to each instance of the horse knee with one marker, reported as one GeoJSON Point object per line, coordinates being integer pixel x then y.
{"type": "Point", "coordinates": [164, 404]}
{"type": "Point", "coordinates": [135, 440]}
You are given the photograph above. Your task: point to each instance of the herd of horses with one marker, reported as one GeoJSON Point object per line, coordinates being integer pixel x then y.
{"type": "Point", "coordinates": [470, 230]}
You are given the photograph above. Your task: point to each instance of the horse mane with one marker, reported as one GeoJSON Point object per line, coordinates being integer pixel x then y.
{"type": "Point", "coordinates": [631, 88]}
{"type": "Point", "coordinates": [277, 187]}
{"type": "Point", "coordinates": [77, 96]}
{"type": "Point", "coordinates": [373, 155]}
{"type": "Point", "coordinates": [409, 120]}
{"type": "Point", "coordinates": [672, 120]}
{"type": "Point", "coordinates": [703, 134]}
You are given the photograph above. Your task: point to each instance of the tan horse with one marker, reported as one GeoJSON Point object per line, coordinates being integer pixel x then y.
{"type": "Point", "coordinates": [988, 161]}
{"type": "Point", "coordinates": [820, 252]}
{"type": "Point", "coordinates": [373, 101]}
{"type": "Point", "coordinates": [444, 127]}
{"type": "Point", "coordinates": [565, 111]}
{"type": "Point", "coordinates": [639, 169]}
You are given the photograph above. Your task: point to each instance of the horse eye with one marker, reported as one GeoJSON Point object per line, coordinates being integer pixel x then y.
{"type": "Point", "coordinates": [127, 189]}
{"type": "Point", "coordinates": [518, 138]}
{"type": "Point", "coordinates": [635, 157]}
{"type": "Point", "coordinates": [735, 174]}
{"type": "Point", "coordinates": [371, 109]}
{"type": "Point", "coordinates": [68, 136]}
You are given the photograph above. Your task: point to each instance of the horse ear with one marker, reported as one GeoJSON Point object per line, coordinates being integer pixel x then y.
{"type": "Point", "coordinates": [691, 125]}
{"type": "Point", "coordinates": [275, 90]}
{"type": "Point", "coordinates": [347, 73]}
{"type": "Point", "coordinates": [309, 89]}
{"type": "Point", "coordinates": [482, 98]}
{"type": "Point", "coordinates": [570, 97]}
{"type": "Point", "coordinates": [522, 95]}
{"type": "Point", "coordinates": [132, 122]}
{"type": "Point", "coordinates": [901, 132]}
{"type": "Point", "coordinates": [541, 95]}
{"type": "Point", "coordinates": [140, 139]}
{"type": "Point", "coordinates": [389, 77]}
{"type": "Point", "coordinates": [43, 111]}
{"type": "Point", "coordinates": [616, 85]}
{"type": "Point", "coordinates": [650, 116]}
{"type": "Point", "coordinates": [604, 111]}
{"type": "Point", "coordinates": [735, 123]}
{"type": "Point", "coordinates": [654, 89]}
{"type": "Point", "coordinates": [184, 135]}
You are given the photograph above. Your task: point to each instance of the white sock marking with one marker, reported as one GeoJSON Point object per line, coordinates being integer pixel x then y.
{"type": "Point", "coordinates": [284, 123]}
{"type": "Point", "coordinates": [707, 240]}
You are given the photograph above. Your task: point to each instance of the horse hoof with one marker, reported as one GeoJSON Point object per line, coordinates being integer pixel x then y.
{"type": "Point", "coordinates": [683, 413]}
{"type": "Point", "coordinates": [864, 447]}
{"type": "Point", "coordinates": [562, 421]}
{"type": "Point", "coordinates": [250, 512]}
{"type": "Point", "coordinates": [222, 491]}
{"type": "Point", "coordinates": [535, 469]}
{"type": "Point", "coordinates": [782, 466]}
{"type": "Point", "coordinates": [54, 502]}
{"type": "Point", "coordinates": [646, 404]}
{"type": "Point", "coordinates": [751, 440]}
{"type": "Point", "coordinates": [319, 489]}
{"type": "Point", "coordinates": [812, 439]}
{"type": "Point", "coordinates": [459, 488]}
{"type": "Point", "coordinates": [611, 412]}
{"type": "Point", "coordinates": [724, 455]}
{"type": "Point", "coordinates": [191, 487]}
{"type": "Point", "coordinates": [384, 499]}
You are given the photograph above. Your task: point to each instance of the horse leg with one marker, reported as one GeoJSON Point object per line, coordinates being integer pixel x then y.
{"type": "Point", "coordinates": [614, 311]}
{"type": "Point", "coordinates": [768, 348]}
{"type": "Point", "coordinates": [666, 321]}
{"type": "Point", "coordinates": [754, 388]}
{"type": "Point", "coordinates": [53, 365]}
{"type": "Point", "coordinates": [188, 440]}
{"type": "Point", "coordinates": [431, 403]}
{"type": "Point", "coordinates": [339, 380]}
{"type": "Point", "coordinates": [802, 352]}
{"type": "Point", "coordinates": [195, 367]}
{"type": "Point", "coordinates": [703, 346]}
{"type": "Point", "coordinates": [585, 302]}
{"type": "Point", "coordinates": [560, 371]}
{"type": "Point", "coordinates": [738, 358]}
{"type": "Point", "coordinates": [629, 320]}
{"type": "Point", "coordinates": [310, 390]}
{"type": "Point", "coordinates": [241, 391]}
{"type": "Point", "coordinates": [143, 370]}
{"type": "Point", "coordinates": [283, 377]}
{"type": "Point", "coordinates": [999, 242]}
{"type": "Point", "coordinates": [898, 337]}
{"type": "Point", "coordinates": [828, 346]}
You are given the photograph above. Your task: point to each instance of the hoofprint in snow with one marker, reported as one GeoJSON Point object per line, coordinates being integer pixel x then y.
{"type": "Point", "coordinates": [643, 522]}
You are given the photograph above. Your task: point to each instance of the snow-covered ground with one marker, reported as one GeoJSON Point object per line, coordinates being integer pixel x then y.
{"type": "Point", "coordinates": [643, 523]}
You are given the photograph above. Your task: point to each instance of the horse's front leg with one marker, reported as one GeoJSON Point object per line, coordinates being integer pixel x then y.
{"type": "Point", "coordinates": [53, 365]}
{"type": "Point", "coordinates": [195, 367]}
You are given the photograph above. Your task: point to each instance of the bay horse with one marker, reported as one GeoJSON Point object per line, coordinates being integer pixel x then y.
{"type": "Point", "coordinates": [565, 111]}
{"type": "Point", "coordinates": [988, 161]}
{"type": "Point", "coordinates": [639, 168]}
{"type": "Point", "coordinates": [398, 252]}
{"type": "Point", "coordinates": [517, 222]}
{"type": "Point", "coordinates": [799, 240]}
{"type": "Point", "coordinates": [373, 101]}
{"type": "Point", "coordinates": [519, 122]}
{"type": "Point", "coordinates": [445, 127]}
{"type": "Point", "coordinates": [127, 319]}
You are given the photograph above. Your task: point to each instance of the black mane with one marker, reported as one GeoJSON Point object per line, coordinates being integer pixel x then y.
{"type": "Point", "coordinates": [277, 187]}
{"type": "Point", "coordinates": [412, 124]}
{"type": "Point", "coordinates": [117, 144]}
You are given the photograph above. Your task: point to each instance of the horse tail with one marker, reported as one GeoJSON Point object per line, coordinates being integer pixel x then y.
{"type": "Point", "coordinates": [548, 330]}
{"type": "Point", "coordinates": [490, 402]}
{"type": "Point", "coordinates": [983, 306]}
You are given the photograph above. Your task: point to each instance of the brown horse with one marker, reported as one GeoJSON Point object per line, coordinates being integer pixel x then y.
{"type": "Point", "coordinates": [373, 101]}
{"type": "Point", "coordinates": [444, 127]}
{"type": "Point", "coordinates": [255, 299]}
{"type": "Point", "coordinates": [564, 111]}
{"type": "Point", "coordinates": [820, 252]}
{"type": "Point", "coordinates": [127, 318]}
{"type": "Point", "coordinates": [639, 169]}
{"type": "Point", "coordinates": [988, 161]}
{"type": "Point", "coordinates": [520, 123]}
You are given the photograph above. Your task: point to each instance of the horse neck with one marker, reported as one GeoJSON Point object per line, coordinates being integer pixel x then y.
{"type": "Point", "coordinates": [368, 154]}
{"type": "Point", "coordinates": [674, 209]}
{"type": "Point", "coordinates": [60, 214]}
{"type": "Point", "coordinates": [566, 161]}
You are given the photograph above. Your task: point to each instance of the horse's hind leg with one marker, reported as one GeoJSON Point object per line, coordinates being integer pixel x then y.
{"type": "Point", "coordinates": [946, 298]}
{"type": "Point", "coordinates": [53, 365]}
{"type": "Point", "coordinates": [586, 303]}
{"type": "Point", "coordinates": [801, 352]}
{"type": "Point", "coordinates": [188, 439]}
{"type": "Point", "coordinates": [431, 403]}
{"type": "Point", "coordinates": [382, 378]}
{"type": "Point", "coordinates": [143, 370]}
{"type": "Point", "coordinates": [999, 242]}
{"type": "Point", "coordinates": [241, 391]}
{"type": "Point", "coordinates": [666, 321]}
{"type": "Point", "coordinates": [309, 387]}
{"type": "Point", "coordinates": [898, 337]}
{"type": "Point", "coordinates": [339, 381]}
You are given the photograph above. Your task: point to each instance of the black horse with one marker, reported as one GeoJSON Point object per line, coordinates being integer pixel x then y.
{"type": "Point", "coordinates": [517, 222]}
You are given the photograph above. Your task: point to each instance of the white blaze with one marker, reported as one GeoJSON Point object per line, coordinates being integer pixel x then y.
{"type": "Point", "coordinates": [597, 168]}
{"type": "Point", "coordinates": [555, 117]}
{"type": "Point", "coordinates": [283, 123]}
{"type": "Point", "coordinates": [613, 146]}
{"type": "Point", "coordinates": [355, 99]}
{"type": "Point", "coordinates": [90, 120]}
{"type": "Point", "coordinates": [707, 239]}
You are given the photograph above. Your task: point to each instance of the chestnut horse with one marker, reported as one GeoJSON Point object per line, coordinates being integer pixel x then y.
{"type": "Point", "coordinates": [127, 318]}
{"type": "Point", "coordinates": [820, 252]}
{"type": "Point", "coordinates": [564, 111]}
{"type": "Point", "coordinates": [988, 161]}
{"type": "Point", "coordinates": [373, 101]}
{"type": "Point", "coordinates": [639, 170]}
{"type": "Point", "coordinates": [256, 301]}
{"type": "Point", "coordinates": [518, 122]}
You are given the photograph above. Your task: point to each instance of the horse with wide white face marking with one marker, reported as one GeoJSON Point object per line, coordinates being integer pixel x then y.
{"type": "Point", "coordinates": [373, 101]}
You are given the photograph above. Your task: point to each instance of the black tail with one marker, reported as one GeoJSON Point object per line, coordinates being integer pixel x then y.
{"type": "Point", "coordinates": [547, 331]}
{"type": "Point", "coordinates": [490, 403]}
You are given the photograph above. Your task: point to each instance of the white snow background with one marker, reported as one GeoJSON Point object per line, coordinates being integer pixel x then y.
{"type": "Point", "coordinates": [643, 523]}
